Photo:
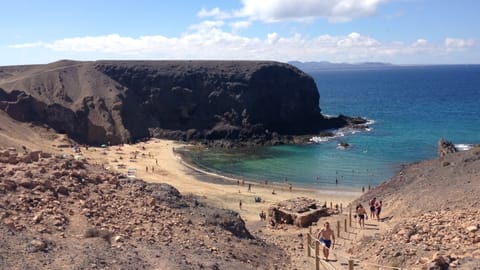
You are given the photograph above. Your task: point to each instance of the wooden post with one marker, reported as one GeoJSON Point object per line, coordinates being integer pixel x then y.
{"type": "Point", "coordinates": [341, 208]}
{"type": "Point", "coordinates": [338, 228]}
{"type": "Point", "coordinates": [309, 241]}
{"type": "Point", "coordinates": [331, 205]}
{"type": "Point", "coordinates": [350, 217]}
{"type": "Point", "coordinates": [345, 223]}
{"type": "Point", "coordinates": [350, 264]}
{"type": "Point", "coordinates": [317, 256]}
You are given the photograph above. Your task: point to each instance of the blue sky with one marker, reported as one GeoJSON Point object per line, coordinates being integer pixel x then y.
{"type": "Point", "coordinates": [396, 31]}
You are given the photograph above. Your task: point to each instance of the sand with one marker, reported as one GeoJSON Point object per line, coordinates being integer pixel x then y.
{"type": "Point", "coordinates": [165, 166]}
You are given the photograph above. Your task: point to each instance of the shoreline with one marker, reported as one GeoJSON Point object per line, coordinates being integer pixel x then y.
{"type": "Point", "coordinates": [155, 161]}
{"type": "Point", "coordinates": [216, 177]}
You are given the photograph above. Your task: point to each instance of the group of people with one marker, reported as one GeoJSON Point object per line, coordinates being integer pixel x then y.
{"type": "Point", "coordinates": [375, 210]}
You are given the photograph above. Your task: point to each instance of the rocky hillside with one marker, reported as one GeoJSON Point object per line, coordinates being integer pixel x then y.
{"type": "Point", "coordinates": [60, 213]}
{"type": "Point", "coordinates": [122, 101]}
{"type": "Point", "coordinates": [432, 211]}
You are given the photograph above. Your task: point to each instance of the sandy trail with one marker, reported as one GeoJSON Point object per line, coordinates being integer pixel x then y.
{"type": "Point", "coordinates": [165, 166]}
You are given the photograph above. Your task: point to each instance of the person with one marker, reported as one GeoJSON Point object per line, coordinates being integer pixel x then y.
{"type": "Point", "coordinates": [290, 187]}
{"type": "Point", "coordinates": [240, 204]}
{"type": "Point", "coordinates": [327, 239]}
{"type": "Point", "coordinates": [249, 187]}
{"type": "Point", "coordinates": [361, 213]}
{"type": "Point", "coordinates": [262, 215]}
{"type": "Point", "coordinates": [273, 192]}
{"type": "Point", "coordinates": [372, 207]}
{"type": "Point", "coordinates": [378, 208]}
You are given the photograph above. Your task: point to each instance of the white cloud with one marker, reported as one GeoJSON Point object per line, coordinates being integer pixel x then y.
{"type": "Point", "coordinates": [458, 43]}
{"type": "Point", "coordinates": [207, 40]}
{"type": "Point", "coordinates": [420, 43]}
{"type": "Point", "coordinates": [333, 10]}
{"type": "Point", "coordinates": [240, 25]}
{"type": "Point", "coordinates": [215, 13]}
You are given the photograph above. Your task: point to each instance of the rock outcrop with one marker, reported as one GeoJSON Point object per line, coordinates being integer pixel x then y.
{"type": "Point", "coordinates": [122, 101]}
{"type": "Point", "coordinates": [301, 212]}
{"type": "Point", "coordinates": [445, 148]}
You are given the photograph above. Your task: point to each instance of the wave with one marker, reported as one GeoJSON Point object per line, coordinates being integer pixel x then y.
{"type": "Point", "coordinates": [344, 132]}
{"type": "Point", "coordinates": [464, 146]}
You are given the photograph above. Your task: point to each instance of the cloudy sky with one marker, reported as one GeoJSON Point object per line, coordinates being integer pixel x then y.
{"type": "Point", "coordinates": [395, 31]}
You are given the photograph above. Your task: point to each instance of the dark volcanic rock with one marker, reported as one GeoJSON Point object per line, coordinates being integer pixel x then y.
{"type": "Point", "coordinates": [122, 101]}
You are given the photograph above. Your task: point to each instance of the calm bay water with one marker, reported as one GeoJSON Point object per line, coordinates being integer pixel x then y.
{"type": "Point", "coordinates": [412, 108]}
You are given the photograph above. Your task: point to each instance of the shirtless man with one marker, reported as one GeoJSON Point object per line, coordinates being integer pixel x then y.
{"type": "Point", "coordinates": [361, 213]}
{"type": "Point", "coordinates": [327, 238]}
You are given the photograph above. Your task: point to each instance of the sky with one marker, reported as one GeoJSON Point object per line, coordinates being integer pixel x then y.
{"type": "Point", "coordinates": [352, 31]}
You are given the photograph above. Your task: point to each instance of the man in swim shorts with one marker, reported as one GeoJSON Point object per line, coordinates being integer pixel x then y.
{"type": "Point", "coordinates": [327, 238]}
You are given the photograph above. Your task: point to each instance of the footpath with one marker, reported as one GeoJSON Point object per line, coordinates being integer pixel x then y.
{"type": "Point", "coordinates": [347, 234]}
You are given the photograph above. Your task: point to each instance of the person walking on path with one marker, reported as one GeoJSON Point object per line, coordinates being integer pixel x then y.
{"type": "Point", "coordinates": [361, 213]}
{"type": "Point", "coordinates": [327, 238]}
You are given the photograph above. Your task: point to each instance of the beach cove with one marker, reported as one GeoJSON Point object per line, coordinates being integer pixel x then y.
{"type": "Point", "coordinates": [165, 166]}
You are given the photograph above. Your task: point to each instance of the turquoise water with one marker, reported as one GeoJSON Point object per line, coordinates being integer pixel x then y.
{"type": "Point", "coordinates": [412, 108]}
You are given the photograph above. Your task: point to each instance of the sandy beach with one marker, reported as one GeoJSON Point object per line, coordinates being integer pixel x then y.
{"type": "Point", "coordinates": [165, 166]}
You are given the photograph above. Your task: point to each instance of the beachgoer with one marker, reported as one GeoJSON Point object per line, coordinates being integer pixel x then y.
{"type": "Point", "coordinates": [378, 208]}
{"type": "Point", "coordinates": [156, 161]}
{"type": "Point", "coordinates": [273, 192]}
{"type": "Point", "coordinates": [290, 187]}
{"type": "Point", "coordinates": [263, 216]}
{"type": "Point", "coordinates": [336, 181]}
{"type": "Point", "coordinates": [146, 168]}
{"type": "Point", "coordinates": [249, 187]}
{"type": "Point", "coordinates": [240, 204]}
{"type": "Point", "coordinates": [153, 169]}
{"type": "Point", "coordinates": [363, 189]}
{"type": "Point", "coordinates": [327, 238]}
{"type": "Point", "coordinates": [372, 207]}
{"type": "Point", "coordinates": [361, 212]}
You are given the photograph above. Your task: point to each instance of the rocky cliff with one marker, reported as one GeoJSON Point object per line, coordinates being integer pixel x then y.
{"type": "Point", "coordinates": [122, 101]}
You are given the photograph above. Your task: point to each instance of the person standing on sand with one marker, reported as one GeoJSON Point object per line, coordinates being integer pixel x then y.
{"type": "Point", "coordinates": [327, 238]}
{"type": "Point", "coordinates": [361, 212]}
{"type": "Point", "coordinates": [240, 204]}
{"type": "Point", "coordinates": [249, 187]}
{"type": "Point", "coordinates": [372, 207]}
{"type": "Point", "coordinates": [378, 208]}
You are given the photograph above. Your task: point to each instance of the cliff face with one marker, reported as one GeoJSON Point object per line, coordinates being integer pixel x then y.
{"type": "Point", "coordinates": [121, 101]}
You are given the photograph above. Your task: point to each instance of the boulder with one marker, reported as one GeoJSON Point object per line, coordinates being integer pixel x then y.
{"type": "Point", "coordinates": [445, 148]}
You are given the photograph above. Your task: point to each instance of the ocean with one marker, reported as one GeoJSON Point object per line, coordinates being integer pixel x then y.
{"type": "Point", "coordinates": [410, 109]}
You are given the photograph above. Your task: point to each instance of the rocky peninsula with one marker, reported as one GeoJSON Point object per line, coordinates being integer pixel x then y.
{"type": "Point", "coordinates": [98, 102]}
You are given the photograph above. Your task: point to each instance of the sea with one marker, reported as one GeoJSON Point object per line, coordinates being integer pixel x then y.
{"type": "Point", "coordinates": [409, 108]}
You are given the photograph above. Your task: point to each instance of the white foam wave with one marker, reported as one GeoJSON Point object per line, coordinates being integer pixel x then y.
{"type": "Point", "coordinates": [343, 132]}
{"type": "Point", "coordinates": [463, 146]}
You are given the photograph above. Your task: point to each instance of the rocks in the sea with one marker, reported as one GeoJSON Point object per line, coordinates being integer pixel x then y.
{"type": "Point", "coordinates": [300, 211]}
{"type": "Point", "coordinates": [445, 147]}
